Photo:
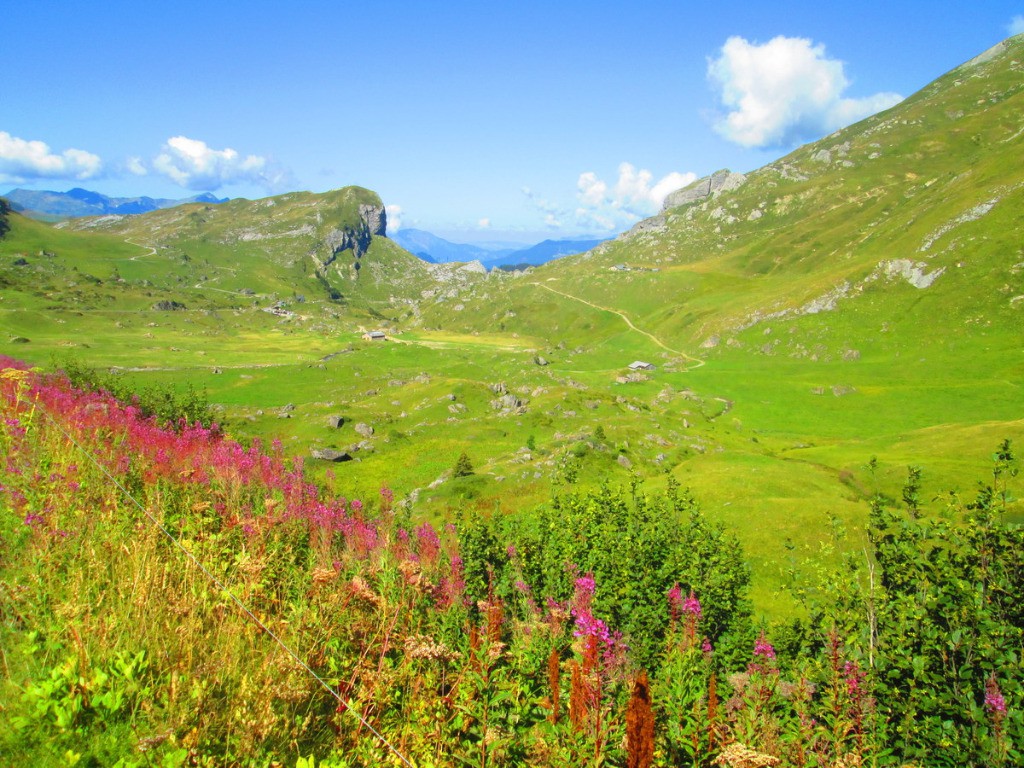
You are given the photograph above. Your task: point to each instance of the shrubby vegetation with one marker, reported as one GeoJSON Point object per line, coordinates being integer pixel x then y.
{"type": "Point", "coordinates": [607, 628]}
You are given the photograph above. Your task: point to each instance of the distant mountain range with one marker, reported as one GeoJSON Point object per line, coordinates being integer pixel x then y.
{"type": "Point", "coordinates": [48, 205]}
{"type": "Point", "coordinates": [434, 249]}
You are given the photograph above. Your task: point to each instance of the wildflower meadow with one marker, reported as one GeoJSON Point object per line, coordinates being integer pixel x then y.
{"type": "Point", "coordinates": [171, 597]}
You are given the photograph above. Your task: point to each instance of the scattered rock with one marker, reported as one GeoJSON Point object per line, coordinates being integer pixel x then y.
{"type": "Point", "coordinates": [335, 422]}
{"type": "Point", "coordinates": [508, 404]}
{"type": "Point", "coordinates": [624, 461]}
{"type": "Point", "coordinates": [708, 187]}
{"type": "Point", "coordinates": [538, 360]}
{"type": "Point", "coordinates": [364, 429]}
{"type": "Point", "coordinates": [168, 306]}
{"type": "Point", "coordinates": [331, 454]}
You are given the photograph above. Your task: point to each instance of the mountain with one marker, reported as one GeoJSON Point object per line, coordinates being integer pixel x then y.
{"type": "Point", "coordinates": [814, 326]}
{"type": "Point", "coordinates": [432, 248]}
{"type": "Point", "coordinates": [542, 252]}
{"type": "Point", "coordinates": [79, 202]}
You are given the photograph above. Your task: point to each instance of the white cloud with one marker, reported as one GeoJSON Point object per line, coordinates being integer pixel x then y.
{"type": "Point", "coordinates": [394, 216]}
{"type": "Point", "coordinates": [785, 91]}
{"type": "Point", "coordinates": [484, 224]}
{"type": "Point", "coordinates": [635, 195]}
{"type": "Point", "coordinates": [1016, 27]}
{"type": "Point", "coordinates": [592, 190]}
{"type": "Point", "coordinates": [607, 207]}
{"type": "Point", "coordinates": [136, 167]}
{"type": "Point", "coordinates": [22, 160]}
{"type": "Point", "coordinates": [192, 164]}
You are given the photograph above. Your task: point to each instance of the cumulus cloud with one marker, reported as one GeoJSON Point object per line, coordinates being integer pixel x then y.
{"type": "Point", "coordinates": [785, 91]}
{"type": "Point", "coordinates": [394, 215]}
{"type": "Point", "coordinates": [192, 164]}
{"type": "Point", "coordinates": [634, 195]}
{"type": "Point", "coordinates": [1016, 26]}
{"type": "Point", "coordinates": [609, 206]}
{"type": "Point", "coordinates": [22, 160]}
{"type": "Point", "coordinates": [136, 167]}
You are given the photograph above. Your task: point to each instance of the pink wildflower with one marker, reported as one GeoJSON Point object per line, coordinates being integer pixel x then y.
{"type": "Point", "coordinates": [691, 606]}
{"type": "Point", "coordinates": [994, 701]}
{"type": "Point", "coordinates": [763, 648]}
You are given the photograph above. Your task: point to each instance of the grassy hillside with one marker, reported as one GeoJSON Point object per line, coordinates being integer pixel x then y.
{"type": "Point", "coordinates": [851, 309]}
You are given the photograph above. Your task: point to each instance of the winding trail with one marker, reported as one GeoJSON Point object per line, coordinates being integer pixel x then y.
{"type": "Point", "coordinates": [151, 249]}
{"type": "Point", "coordinates": [697, 362]}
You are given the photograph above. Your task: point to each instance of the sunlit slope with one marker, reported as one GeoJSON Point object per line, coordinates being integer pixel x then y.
{"type": "Point", "coordinates": [317, 245]}
{"type": "Point", "coordinates": [862, 296]}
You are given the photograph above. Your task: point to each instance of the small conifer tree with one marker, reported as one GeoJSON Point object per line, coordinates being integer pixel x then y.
{"type": "Point", "coordinates": [463, 466]}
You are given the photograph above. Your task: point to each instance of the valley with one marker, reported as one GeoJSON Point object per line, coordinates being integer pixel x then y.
{"type": "Point", "coordinates": [855, 302]}
{"type": "Point", "coordinates": [733, 488]}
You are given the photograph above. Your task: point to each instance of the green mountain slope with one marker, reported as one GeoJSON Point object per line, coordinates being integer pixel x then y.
{"type": "Point", "coordinates": [858, 299]}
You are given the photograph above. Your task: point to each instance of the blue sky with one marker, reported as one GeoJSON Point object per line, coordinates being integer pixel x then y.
{"type": "Point", "coordinates": [476, 121]}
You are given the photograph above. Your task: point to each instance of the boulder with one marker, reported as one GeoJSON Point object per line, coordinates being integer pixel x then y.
{"type": "Point", "coordinates": [702, 189]}
{"type": "Point", "coordinates": [364, 429]}
{"type": "Point", "coordinates": [331, 454]}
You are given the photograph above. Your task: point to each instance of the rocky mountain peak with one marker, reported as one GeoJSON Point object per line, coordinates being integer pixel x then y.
{"type": "Point", "coordinates": [710, 186]}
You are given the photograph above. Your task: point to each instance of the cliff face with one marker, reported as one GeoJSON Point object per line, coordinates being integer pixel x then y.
{"type": "Point", "coordinates": [709, 186]}
{"type": "Point", "coordinates": [372, 221]}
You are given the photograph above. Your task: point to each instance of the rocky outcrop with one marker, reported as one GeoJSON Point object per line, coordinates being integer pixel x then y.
{"type": "Point", "coordinates": [330, 454]}
{"type": "Point", "coordinates": [168, 306]}
{"type": "Point", "coordinates": [375, 218]}
{"type": "Point", "coordinates": [373, 221]}
{"type": "Point", "coordinates": [702, 189]}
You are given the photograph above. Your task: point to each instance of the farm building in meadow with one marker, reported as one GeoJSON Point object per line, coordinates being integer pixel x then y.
{"type": "Point", "coordinates": [640, 365]}
{"type": "Point", "coordinates": [375, 336]}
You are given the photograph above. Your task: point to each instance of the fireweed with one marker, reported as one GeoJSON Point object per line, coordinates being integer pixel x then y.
{"type": "Point", "coordinates": [390, 615]}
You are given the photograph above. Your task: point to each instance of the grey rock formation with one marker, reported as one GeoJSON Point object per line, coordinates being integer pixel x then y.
{"type": "Point", "coordinates": [331, 454]}
{"type": "Point", "coordinates": [508, 404]}
{"type": "Point", "coordinates": [702, 189]}
{"type": "Point", "coordinates": [168, 306]}
{"type": "Point", "coordinates": [364, 429]}
{"type": "Point", "coordinates": [375, 218]}
{"type": "Point", "coordinates": [335, 422]}
{"type": "Point", "coordinates": [373, 221]}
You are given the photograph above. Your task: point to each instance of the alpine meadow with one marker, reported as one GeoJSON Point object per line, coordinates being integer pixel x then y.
{"type": "Point", "coordinates": [735, 488]}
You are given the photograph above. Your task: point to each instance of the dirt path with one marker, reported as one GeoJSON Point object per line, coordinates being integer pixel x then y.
{"type": "Point", "coordinates": [151, 249]}
{"type": "Point", "coordinates": [697, 362]}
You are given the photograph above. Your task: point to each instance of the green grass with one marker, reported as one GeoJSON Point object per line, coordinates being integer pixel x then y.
{"type": "Point", "coordinates": [768, 412]}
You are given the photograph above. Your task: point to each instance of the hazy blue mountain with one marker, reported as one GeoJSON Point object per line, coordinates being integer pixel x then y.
{"type": "Point", "coordinates": [47, 204]}
{"type": "Point", "coordinates": [542, 252]}
{"type": "Point", "coordinates": [432, 248]}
